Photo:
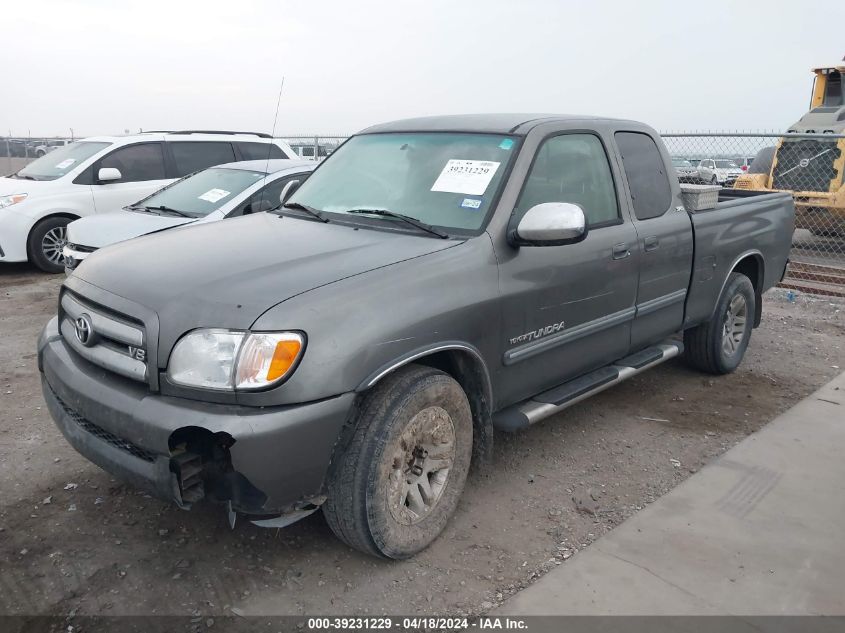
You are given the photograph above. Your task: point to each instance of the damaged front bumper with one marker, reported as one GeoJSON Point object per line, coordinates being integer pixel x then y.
{"type": "Point", "coordinates": [266, 461]}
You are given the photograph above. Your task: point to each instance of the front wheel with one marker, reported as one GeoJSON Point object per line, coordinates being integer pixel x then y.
{"type": "Point", "coordinates": [718, 345]}
{"type": "Point", "coordinates": [46, 243]}
{"type": "Point", "coordinates": [398, 481]}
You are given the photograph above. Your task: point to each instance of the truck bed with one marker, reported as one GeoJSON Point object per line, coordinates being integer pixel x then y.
{"type": "Point", "coordinates": [742, 224]}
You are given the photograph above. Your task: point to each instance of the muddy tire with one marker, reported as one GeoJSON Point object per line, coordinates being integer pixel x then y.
{"type": "Point", "coordinates": [718, 345]}
{"type": "Point", "coordinates": [394, 487]}
{"type": "Point", "coordinates": [45, 244]}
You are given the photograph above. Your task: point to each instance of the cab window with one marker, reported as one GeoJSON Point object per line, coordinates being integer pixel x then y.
{"type": "Point", "coordinates": [572, 168]}
{"type": "Point", "coordinates": [648, 182]}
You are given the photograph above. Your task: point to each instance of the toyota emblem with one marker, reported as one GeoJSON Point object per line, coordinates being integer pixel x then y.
{"type": "Point", "coordinates": [84, 330]}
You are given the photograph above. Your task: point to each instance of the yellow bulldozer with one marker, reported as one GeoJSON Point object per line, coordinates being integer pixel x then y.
{"type": "Point", "coordinates": [809, 160]}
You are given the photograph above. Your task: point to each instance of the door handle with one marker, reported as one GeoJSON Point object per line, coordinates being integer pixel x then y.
{"type": "Point", "coordinates": [651, 243]}
{"type": "Point", "coordinates": [621, 251]}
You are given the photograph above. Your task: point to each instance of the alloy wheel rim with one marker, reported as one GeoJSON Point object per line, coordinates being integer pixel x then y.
{"type": "Point", "coordinates": [53, 243]}
{"type": "Point", "coordinates": [420, 464]}
{"type": "Point", "coordinates": [733, 330]}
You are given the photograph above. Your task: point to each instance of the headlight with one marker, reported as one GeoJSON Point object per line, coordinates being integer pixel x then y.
{"type": "Point", "coordinates": [223, 359]}
{"type": "Point", "coordinates": [8, 201]}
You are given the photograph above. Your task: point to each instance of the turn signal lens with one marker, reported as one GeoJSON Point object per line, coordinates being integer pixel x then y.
{"type": "Point", "coordinates": [266, 358]}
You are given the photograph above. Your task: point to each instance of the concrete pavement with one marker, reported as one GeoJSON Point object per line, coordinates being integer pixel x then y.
{"type": "Point", "coordinates": [760, 531]}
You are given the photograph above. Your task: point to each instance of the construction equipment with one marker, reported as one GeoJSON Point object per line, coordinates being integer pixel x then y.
{"type": "Point", "coordinates": [809, 161]}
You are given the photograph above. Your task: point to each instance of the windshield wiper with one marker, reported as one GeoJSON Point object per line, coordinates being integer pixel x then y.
{"type": "Point", "coordinates": [24, 177]}
{"type": "Point", "coordinates": [304, 207]}
{"type": "Point", "coordinates": [400, 216]}
{"type": "Point", "coordinates": [165, 209]}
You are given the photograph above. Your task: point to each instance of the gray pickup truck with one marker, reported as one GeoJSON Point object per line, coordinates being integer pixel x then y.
{"type": "Point", "coordinates": [433, 280]}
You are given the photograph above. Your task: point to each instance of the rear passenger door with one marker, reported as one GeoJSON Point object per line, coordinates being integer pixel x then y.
{"type": "Point", "coordinates": [142, 170]}
{"type": "Point", "coordinates": [665, 238]}
{"type": "Point", "coordinates": [191, 156]}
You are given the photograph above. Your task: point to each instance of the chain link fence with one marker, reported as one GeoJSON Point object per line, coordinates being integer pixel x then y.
{"type": "Point", "coordinates": [319, 146]}
{"type": "Point", "coordinates": [810, 166]}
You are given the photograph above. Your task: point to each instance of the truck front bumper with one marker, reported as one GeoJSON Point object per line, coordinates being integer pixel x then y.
{"type": "Point", "coordinates": [265, 461]}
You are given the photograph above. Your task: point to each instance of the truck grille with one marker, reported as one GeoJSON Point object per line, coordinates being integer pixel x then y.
{"type": "Point", "coordinates": [107, 339]}
{"type": "Point", "coordinates": [100, 433]}
{"type": "Point", "coordinates": [805, 165]}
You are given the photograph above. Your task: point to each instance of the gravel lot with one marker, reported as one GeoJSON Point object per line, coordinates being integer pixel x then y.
{"type": "Point", "coordinates": [74, 540]}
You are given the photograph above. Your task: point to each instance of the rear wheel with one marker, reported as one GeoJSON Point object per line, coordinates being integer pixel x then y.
{"type": "Point", "coordinates": [395, 486]}
{"type": "Point", "coordinates": [718, 345]}
{"type": "Point", "coordinates": [46, 242]}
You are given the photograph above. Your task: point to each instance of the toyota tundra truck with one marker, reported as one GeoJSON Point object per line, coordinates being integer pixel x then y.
{"type": "Point", "coordinates": [435, 281]}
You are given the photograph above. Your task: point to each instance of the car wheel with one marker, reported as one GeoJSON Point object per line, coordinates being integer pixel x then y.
{"type": "Point", "coordinates": [718, 345]}
{"type": "Point", "coordinates": [45, 244]}
{"type": "Point", "coordinates": [714, 180]}
{"type": "Point", "coordinates": [394, 487]}
{"type": "Point", "coordinates": [39, 153]}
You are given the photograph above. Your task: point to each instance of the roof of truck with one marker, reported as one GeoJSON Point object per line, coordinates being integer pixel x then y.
{"type": "Point", "coordinates": [493, 123]}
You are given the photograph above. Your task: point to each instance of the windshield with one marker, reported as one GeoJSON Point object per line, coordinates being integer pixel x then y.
{"type": "Point", "coordinates": [205, 191]}
{"type": "Point", "coordinates": [680, 162]}
{"type": "Point", "coordinates": [726, 164]}
{"type": "Point", "coordinates": [443, 179]}
{"type": "Point", "coordinates": [60, 161]}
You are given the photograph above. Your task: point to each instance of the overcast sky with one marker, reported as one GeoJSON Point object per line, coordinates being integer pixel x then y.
{"type": "Point", "coordinates": [104, 67]}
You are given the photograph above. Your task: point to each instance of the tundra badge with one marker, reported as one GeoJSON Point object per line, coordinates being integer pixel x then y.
{"type": "Point", "coordinates": [535, 334]}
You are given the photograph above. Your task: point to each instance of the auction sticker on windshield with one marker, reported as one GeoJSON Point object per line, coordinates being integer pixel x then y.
{"type": "Point", "coordinates": [213, 195]}
{"type": "Point", "coordinates": [466, 176]}
{"type": "Point", "coordinates": [67, 162]}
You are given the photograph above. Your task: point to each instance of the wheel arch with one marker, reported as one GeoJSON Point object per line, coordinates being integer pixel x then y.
{"type": "Point", "coordinates": [466, 365]}
{"type": "Point", "coordinates": [753, 266]}
{"type": "Point", "coordinates": [47, 216]}
{"type": "Point", "coordinates": [70, 215]}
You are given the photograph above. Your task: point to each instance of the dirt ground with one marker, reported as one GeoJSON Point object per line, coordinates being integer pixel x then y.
{"type": "Point", "coordinates": [73, 540]}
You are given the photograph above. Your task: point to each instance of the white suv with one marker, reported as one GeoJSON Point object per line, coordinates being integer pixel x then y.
{"type": "Point", "coordinates": [105, 173]}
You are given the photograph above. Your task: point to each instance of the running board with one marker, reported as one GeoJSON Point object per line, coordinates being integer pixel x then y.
{"type": "Point", "coordinates": [558, 398]}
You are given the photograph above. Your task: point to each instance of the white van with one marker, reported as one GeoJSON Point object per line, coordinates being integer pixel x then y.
{"type": "Point", "coordinates": [105, 173]}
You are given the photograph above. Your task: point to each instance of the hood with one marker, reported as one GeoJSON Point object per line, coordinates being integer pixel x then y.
{"type": "Point", "coordinates": [101, 230]}
{"type": "Point", "coordinates": [226, 274]}
{"type": "Point", "coordinates": [8, 186]}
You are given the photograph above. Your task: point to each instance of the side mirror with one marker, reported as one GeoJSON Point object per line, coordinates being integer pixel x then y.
{"type": "Point", "coordinates": [288, 190]}
{"type": "Point", "coordinates": [551, 224]}
{"type": "Point", "coordinates": [109, 174]}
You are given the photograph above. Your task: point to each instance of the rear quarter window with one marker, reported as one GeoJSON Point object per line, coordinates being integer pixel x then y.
{"type": "Point", "coordinates": [645, 172]}
{"type": "Point", "coordinates": [259, 151]}
{"type": "Point", "coordinates": [191, 156]}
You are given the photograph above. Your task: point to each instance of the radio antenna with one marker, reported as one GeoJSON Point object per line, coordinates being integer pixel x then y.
{"type": "Point", "coordinates": [273, 134]}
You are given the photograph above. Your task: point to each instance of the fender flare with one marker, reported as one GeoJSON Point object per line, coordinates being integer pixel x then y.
{"type": "Point", "coordinates": [481, 403]}
{"type": "Point", "coordinates": [422, 352]}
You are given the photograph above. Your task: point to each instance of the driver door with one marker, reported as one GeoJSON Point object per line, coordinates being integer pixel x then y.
{"type": "Point", "coordinates": [568, 309]}
{"type": "Point", "coordinates": [142, 171]}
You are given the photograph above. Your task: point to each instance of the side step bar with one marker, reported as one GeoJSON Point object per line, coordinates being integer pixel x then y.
{"type": "Point", "coordinates": [558, 398]}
